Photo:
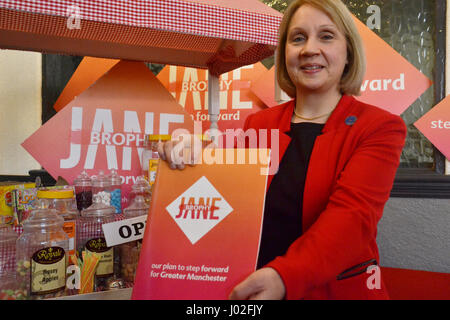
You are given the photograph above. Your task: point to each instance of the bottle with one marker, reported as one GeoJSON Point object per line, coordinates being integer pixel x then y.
{"type": "Point", "coordinates": [150, 156]}
{"type": "Point", "coordinates": [90, 237]}
{"type": "Point", "coordinates": [83, 190]}
{"type": "Point", "coordinates": [141, 187]}
{"type": "Point", "coordinates": [41, 255]}
{"type": "Point", "coordinates": [62, 201]}
{"type": "Point", "coordinates": [8, 284]}
{"type": "Point", "coordinates": [101, 188]}
{"type": "Point", "coordinates": [130, 251]}
{"type": "Point", "coordinates": [116, 190]}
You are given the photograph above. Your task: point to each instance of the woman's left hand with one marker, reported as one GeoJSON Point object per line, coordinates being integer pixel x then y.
{"type": "Point", "coordinates": [263, 284]}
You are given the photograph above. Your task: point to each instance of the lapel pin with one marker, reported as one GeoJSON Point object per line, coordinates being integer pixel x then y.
{"type": "Point", "coordinates": [350, 120]}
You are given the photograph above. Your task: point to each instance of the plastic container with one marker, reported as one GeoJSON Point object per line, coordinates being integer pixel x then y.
{"type": "Point", "coordinates": [130, 251]}
{"type": "Point", "coordinates": [101, 188]}
{"type": "Point", "coordinates": [8, 284]}
{"type": "Point", "coordinates": [150, 156]}
{"type": "Point", "coordinates": [83, 190]}
{"type": "Point", "coordinates": [90, 238]}
{"type": "Point", "coordinates": [41, 255]}
{"type": "Point", "coordinates": [141, 187]}
{"type": "Point", "coordinates": [63, 202]}
{"type": "Point", "coordinates": [116, 190]}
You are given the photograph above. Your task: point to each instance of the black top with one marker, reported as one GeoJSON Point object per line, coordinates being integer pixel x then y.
{"type": "Point", "coordinates": [282, 223]}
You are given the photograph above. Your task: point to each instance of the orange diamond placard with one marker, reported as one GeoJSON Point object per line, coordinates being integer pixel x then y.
{"type": "Point", "coordinates": [103, 128]}
{"type": "Point", "coordinates": [435, 125]}
{"type": "Point", "coordinates": [189, 86]}
{"type": "Point", "coordinates": [391, 82]}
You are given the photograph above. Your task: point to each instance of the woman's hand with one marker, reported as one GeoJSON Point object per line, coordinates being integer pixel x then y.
{"type": "Point", "coordinates": [182, 152]}
{"type": "Point", "coordinates": [263, 284]}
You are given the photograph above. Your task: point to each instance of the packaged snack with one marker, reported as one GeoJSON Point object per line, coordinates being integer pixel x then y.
{"type": "Point", "coordinates": [24, 201]}
{"type": "Point", "coordinates": [6, 196]}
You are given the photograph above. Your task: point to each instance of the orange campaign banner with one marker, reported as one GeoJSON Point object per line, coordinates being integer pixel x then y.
{"type": "Point", "coordinates": [204, 226]}
{"type": "Point", "coordinates": [103, 127]}
{"type": "Point", "coordinates": [435, 125]}
{"type": "Point", "coordinates": [391, 82]}
{"type": "Point", "coordinates": [189, 86]}
{"type": "Point", "coordinates": [89, 70]}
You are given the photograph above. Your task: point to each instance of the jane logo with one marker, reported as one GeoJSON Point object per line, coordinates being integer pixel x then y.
{"type": "Point", "coordinates": [199, 209]}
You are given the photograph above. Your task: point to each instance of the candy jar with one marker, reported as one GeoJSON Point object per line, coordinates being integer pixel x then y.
{"type": "Point", "coordinates": [8, 284]}
{"type": "Point", "coordinates": [141, 187]}
{"type": "Point", "coordinates": [83, 190]}
{"type": "Point", "coordinates": [101, 188]}
{"type": "Point", "coordinates": [62, 201]}
{"type": "Point", "coordinates": [41, 255]}
{"type": "Point", "coordinates": [150, 156]}
{"type": "Point", "coordinates": [116, 190]}
{"type": "Point", "coordinates": [129, 251]}
{"type": "Point", "coordinates": [90, 238]}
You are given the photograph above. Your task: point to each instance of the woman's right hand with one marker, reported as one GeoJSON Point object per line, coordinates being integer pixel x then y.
{"type": "Point", "coordinates": [179, 153]}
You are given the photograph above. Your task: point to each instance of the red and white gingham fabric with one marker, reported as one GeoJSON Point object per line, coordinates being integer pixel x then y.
{"type": "Point", "coordinates": [191, 17]}
{"type": "Point", "coordinates": [7, 255]}
{"type": "Point", "coordinates": [184, 32]}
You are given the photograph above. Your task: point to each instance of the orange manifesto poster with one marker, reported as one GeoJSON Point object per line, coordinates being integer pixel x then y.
{"type": "Point", "coordinates": [189, 86]}
{"type": "Point", "coordinates": [203, 230]}
{"type": "Point", "coordinates": [103, 127]}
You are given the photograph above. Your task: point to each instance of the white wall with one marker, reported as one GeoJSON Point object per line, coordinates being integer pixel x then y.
{"type": "Point", "coordinates": [20, 108]}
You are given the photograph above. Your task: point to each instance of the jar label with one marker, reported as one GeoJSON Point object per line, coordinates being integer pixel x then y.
{"type": "Point", "coordinates": [106, 264]}
{"type": "Point", "coordinates": [153, 167]}
{"type": "Point", "coordinates": [48, 270]}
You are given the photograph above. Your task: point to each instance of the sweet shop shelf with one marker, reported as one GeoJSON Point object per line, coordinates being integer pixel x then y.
{"type": "Point", "coordinates": [118, 294]}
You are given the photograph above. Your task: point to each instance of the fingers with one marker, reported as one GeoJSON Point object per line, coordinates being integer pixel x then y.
{"type": "Point", "coordinates": [161, 152]}
{"type": "Point", "coordinates": [263, 284]}
{"type": "Point", "coordinates": [247, 289]}
{"type": "Point", "coordinates": [178, 154]}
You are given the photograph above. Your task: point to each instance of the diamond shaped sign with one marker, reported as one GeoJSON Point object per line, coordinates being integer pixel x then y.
{"type": "Point", "coordinates": [199, 209]}
{"type": "Point", "coordinates": [435, 125]}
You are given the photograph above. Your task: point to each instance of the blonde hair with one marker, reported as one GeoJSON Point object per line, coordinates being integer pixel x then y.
{"type": "Point", "coordinates": [354, 71]}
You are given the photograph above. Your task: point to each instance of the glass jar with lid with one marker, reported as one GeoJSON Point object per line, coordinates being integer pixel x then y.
{"type": "Point", "coordinates": [116, 190]}
{"type": "Point", "coordinates": [130, 251]}
{"type": "Point", "coordinates": [101, 188]}
{"type": "Point", "coordinates": [8, 284]}
{"type": "Point", "coordinates": [150, 156]}
{"type": "Point", "coordinates": [41, 255]}
{"type": "Point", "coordinates": [141, 187]}
{"type": "Point", "coordinates": [62, 200]}
{"type": "Point", "coordinates": [83, 190]}
{"type": "Point", "coordinates": [90, 238]}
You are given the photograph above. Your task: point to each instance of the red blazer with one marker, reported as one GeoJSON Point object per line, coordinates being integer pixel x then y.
{"type": "Point", "coordinates": [349, 179]}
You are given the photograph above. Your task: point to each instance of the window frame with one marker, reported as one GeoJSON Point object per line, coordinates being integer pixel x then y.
{"type": "Point", "coordinates": [421, 182]}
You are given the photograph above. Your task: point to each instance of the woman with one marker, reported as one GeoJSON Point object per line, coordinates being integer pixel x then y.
{"type": "Point", "coordinates": [338, 159]}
